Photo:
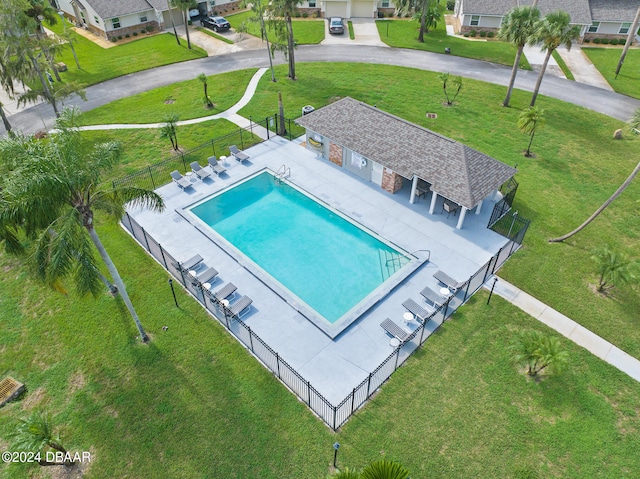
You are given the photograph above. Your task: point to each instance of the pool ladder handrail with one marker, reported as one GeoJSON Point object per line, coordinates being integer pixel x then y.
{"type": "Point", "coordinates": [283, 172]}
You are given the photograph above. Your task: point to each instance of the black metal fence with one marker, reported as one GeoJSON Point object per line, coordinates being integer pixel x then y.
{"type": "Point", "coordinates": [502, 207]}
{"type": "Point", "coordinates": [333, 415]}
{"type": "Point", "coordinates": [156, 175]}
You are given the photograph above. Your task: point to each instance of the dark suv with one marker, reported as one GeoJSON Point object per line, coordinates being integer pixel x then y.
{"type": "Point", "coordinates": [217, 24]}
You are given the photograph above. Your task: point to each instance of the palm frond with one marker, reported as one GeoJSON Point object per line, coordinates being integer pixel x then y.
{"type": "Point", "coordinates": [86, 275]}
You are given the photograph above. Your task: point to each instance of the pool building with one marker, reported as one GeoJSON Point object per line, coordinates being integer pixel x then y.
{"type": "Point", "coordinates": [327, 252]}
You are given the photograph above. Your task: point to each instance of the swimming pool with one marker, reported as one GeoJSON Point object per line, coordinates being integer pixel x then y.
{"type": "Point", "coordinates": [328, 262]}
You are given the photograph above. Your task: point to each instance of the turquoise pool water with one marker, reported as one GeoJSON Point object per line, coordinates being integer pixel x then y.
{"type": "Point", "coordinates": [325, 260]}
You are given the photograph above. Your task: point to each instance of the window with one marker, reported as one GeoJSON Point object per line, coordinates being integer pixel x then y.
{"type": "Point", "coordinates": [593, 28]}
{"type": "Point", "coordinates": [312, 3]}
{"type": "Point", "coordinates": [115, 22]}
{"type": "Point", "coordinates": [143, 19]}
{"type": "Point", "coordinates": [624, 28]}
{"type": "Point", "coordinates": [475, 20]}
{"type": "Point", "coordinates": [96, 19]}
{"type": "Point", "coordinates": [385, 3]}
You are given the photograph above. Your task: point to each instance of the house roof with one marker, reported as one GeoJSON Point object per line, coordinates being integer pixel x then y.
{"type": "Point", "coordinates": [454, 170]}
{"type": "Point", "coordinates": [577, 9]}
{"type": "Point", "coordinates": [614, 10]}
{"type": "Point", "coordinates": [160, 5]}
{"type": "Point", "coordinates": [117, 8]}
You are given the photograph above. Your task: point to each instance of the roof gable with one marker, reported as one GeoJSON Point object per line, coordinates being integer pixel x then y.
{"type": "Point", "coordinates": [455, 171]}
{"type": "Point", "coordinates": [578, 9]}
{"type": "Point", "coordinates": [117, 8]}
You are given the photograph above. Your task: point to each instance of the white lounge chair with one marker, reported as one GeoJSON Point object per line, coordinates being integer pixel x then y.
{"type": "Point", "coordinates": [430, 295]}
{"type": "Point", "coordinates": [418, 311]}
{"type": "Point", "coordinates": [216, 167]}
{"type": "Point", "coordinates": [240, 307]}
{"type": "Point", "coordinates": [180, 180]}
{"type": "Point", "coordinates": [237, 154]}
{"type": "Point", "coordinates": [448, 281]}
{"type": "Point", "coordinates": [394, 330]}
{"type": "Point", "coordinates": [197, 169]}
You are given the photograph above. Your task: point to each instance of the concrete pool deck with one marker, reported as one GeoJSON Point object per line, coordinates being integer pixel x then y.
{"type": "Point", "coordinates": [333, 366]}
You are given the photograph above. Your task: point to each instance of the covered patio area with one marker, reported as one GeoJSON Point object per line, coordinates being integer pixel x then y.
{"type": "Point", "coordinates": [391, 152]}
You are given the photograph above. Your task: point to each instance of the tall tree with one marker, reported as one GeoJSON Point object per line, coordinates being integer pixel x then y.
{"type": "Point", "coordinates": [258, 13]}
{"type": "Point", "coordinates": [170, 130]}
{"type": "Point", "coordinates": [554, 30]}
{"type": "Point", "coordinates": [617, 193]}
{"type": "Point", "coordinates": [203, 79]}
{"type": "Point", "coordinates": [184, 6]}
{"type": "Point", "coordinates": [281, 13]}
{"type": "Point", "coordinates": [518, 26]}
{"type": "Point", "coordinates": [528, 122]}
{"type": "Point", "coordinates": [58, 186]}
{"type": "Point", "coordinates": [425, 11]}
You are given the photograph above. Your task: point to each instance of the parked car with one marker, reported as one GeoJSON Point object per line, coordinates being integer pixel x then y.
{"type": "Point", "coordinates": [336, 25]}
{"type": "Point", "coordinates": [217, 24]}
{"type": "Point", "coordinates": [194, 13]}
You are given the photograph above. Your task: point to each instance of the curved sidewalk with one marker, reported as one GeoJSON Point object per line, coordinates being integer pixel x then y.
{"type": "Point", "coordinates": [569, 328]}
{"type": "Point", "coordinates": [230, 114]}
{"type": "Point", "coordinates": [606, 102]}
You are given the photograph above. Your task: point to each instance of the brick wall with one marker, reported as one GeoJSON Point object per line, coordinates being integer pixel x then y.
{"type": "Point", "coordinates": [335, 154]}
{"type": "Point", "coordinates": [391, 181]}
{"type": "Point", "coordinates": [122, 32]}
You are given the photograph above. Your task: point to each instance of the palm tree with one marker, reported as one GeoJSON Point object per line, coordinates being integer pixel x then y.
{"type": "Point", "coordinates": [281, 12]}
{"type": "Point", "coordinates": [537, 352]}
{"type": "Point", "coordinates": [617, 193]}
{"type": "Point", "coordinates": [258, 16]}
{"type": "Point", "coordinates": [517, 27]}
{"type": "Point", "coordinates": [170, 130]}
{"type": "Point", "coordinates": [554, 30]}
{"type": "Point", "coordinates": [203, 79]}
{"type": "Point", "coordinates": [612, 267]}
{"type": "Point", "coordinates": [51, 191]}
{"type": "Point", "coordinates": [375, 470]}
{"type": "Point", "coordinates": [424, 10]}
{"type": "Point", "coordinates": [528, 122]}
{"type": "Point", "coordinates": [184, 6]}
{"type": "Point", "coordinates": [634, 123]}
{"type": "Point", "coordinates": [35, 434]}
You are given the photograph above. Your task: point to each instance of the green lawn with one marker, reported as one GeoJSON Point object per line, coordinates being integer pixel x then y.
{"type": "Point", "coordinates": [186, 99]}
{"type": "Point", "coordinates": [577, 167]}
{"type": "Point", "coordinates": [563, 66]}
{"type": "Point", "coordinates": [403, 33]}
{"type": "Point", "coordinates": [194, 400]}
{"type": "Point", "coordinates": [145, 147]}
{"type": "Point", "coordinates": [606, 61]}
{"type": "Point", "coordinates": [99, 64]}
{"type": "Point", "coordinates": [305, 31]}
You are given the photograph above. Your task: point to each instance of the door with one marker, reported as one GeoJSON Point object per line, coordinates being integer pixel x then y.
{"type": "Point", "coordinates": [335, 9]}
{"type": "Point", "coordinates": [362, 9]}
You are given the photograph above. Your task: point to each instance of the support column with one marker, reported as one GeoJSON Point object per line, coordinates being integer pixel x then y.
{"type": "Point", "coordinates": [463, 213]}
{"type": "Point", "coordinates": [479, 207]}
{"type": "Point", "coordinates": [432, 206]}
{"type": "Point", "coordinates": [414, 185]}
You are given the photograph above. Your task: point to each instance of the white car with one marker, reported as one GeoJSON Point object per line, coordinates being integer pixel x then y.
{"type": "Point", "coordinates": [194, 12]}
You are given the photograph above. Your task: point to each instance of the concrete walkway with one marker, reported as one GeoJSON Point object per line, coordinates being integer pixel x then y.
{"type": "Point", "coordinates": [568, 328]}
{"type": "Point", "coordinates": [231, 114]}
{"type": "Point", "coordinates": [583, 70]}
{"type": "Point", "coordinates": [535, 57]}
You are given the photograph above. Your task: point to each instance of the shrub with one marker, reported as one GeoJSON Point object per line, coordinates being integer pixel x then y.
{"type": "Point", "coordinates": [483, 34]}
{"type": "Point", "coordinates": [604, 41]}
{"type": "Point", "coordinates": [451, 4]}
{"type": "Point", "coordinates": [305, 15]}
{"type": "Point", "coordinates": [465, 34]}
{"type": "Point", "coordinates": [297, 15]}
{"type": "Point", "coordinates": [119, 37]}
{"type": "Point", "coordinates": [622, 41]}
{"type": "Point", "coordinates": [390, 15]}
{"type": "Point", "coordinates": [114, 39]}
{"type": "Point", "coordinates": [127, 35]}
{"type": "Point", "coordinates": [596, 40]}
{"type": "Point", "coordinates": [490, 34]}
{"type": "Point", "coordinates": [473, 33]}
{"type": "Point", "coordinates": [586, 40]}
{"type": "Point", "coordinates": [135, 34]}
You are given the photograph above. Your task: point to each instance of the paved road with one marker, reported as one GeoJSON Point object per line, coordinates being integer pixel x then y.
{"type": "Point", "coordinates": [606, 102]}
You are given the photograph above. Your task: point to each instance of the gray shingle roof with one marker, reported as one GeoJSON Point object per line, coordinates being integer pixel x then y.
{"type": "Point", "coordinates": [614, 10]}
{"type": "Point", "coordinates": [118, 8]}
{"type": "Point", "coordinates": [455, 171]}
{"type": "Point", "coordinates": [578, 9]}
{"type": "Point", "coordinates": [160, 5]}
